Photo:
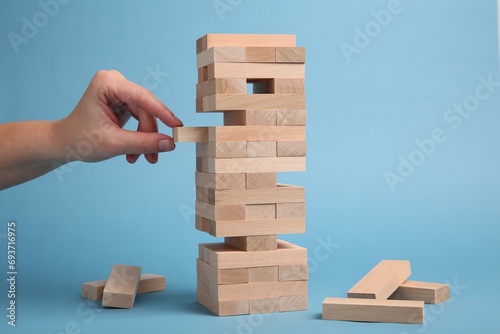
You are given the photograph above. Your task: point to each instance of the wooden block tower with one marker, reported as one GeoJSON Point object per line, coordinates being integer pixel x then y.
{"type": "Point", "coordinates": [257, 81]}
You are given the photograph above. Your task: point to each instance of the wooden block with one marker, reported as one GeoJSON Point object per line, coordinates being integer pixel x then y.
{"type": "Point", "coordinates": [382, 280]}
{"type": "Point", "coordinates": [280, 194]}
{"type": "Point", "coordinates": [223, 256]}
{"type": "Point", "coordinates": [260, 54]}
{"type": "Point", "coordinates": [254, 243]}
{"type": "Point", "coordinates": [93, 290]}
{"type": "Point", "coordinates": [252, 101]}
{"type": "Point", "coordinates": [121, 286]}
{"type": "Point", "coordinates": [222, 149]}
{"type": "Point", "coordinates": [148, 283]}
{"type": "Point", "coordinates": [256, 133]}
{"type": "Point", "coordinates": [291, 149]}
{"type": "Point", "coordinates": [228, 86]}
{"type": "Point", "coordinates": [247, 40]}
{"type": "Point", "coordinates": [374, 310]}
{"type": "Point", "coordinates": [238, 228]}
{"type": "Point", "coordinates": [202, 192]}
{"type": "Point", "coordinates": [251, 165]}
{"type": "Point", "coordinates": [250, 117]}
{"type": "Point", "coordinates": [261, 180]}
{"type": "Point", "coordinates": [259, 149]}
{"type": "Point", "coordinates": [291, 210]}
{"type": "Point", "coordinates": [288, 86]}
{"type": "Point", "coordinates": [221, 276]}
{"type": "Point", "coordinates": [293, 303]}
{"type": "Point", "coordinates": [190, 134]}
{"type": "Point", "coordinates": [291, 55]}
{"type": "Point", "coordinates": [296, 272]}
{"type": "Point", "coordinates": [255, 70]}
{"type": "Point", "coordinates": [264, 305]}
{"type": "Point", "coordinates": [263, 274]}
{"type": "Point", "coordinates": [430, 293]}
{"type": "Point", "coordinates": [222, 308]}
{"type": "Point", "coordinates": [259, 290]}
{"type": "Point", "coordinates": [291, 117]}
{"type": "Point", "coordinates": [219, 181]}
{"type": "Point", "coordinates": [260, 211]}
{"type": "Point", "coordinates": [221, 212]}
{"type": "Point", "coordinates": [202, 74]}
{"type": "Point", "coordinates": [222, 54]}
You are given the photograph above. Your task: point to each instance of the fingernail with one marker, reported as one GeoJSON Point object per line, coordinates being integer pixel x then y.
{"type": "Point", "coordinates": [166, 145]}
{"type": "Point", "coordinates": [178, 120]}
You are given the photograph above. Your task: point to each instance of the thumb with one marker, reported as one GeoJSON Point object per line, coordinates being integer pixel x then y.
{"type": "Point", "coordinates": [132, 142]}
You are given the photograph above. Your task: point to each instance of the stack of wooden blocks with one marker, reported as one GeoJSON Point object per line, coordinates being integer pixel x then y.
{"type": "Point", "coordinates": [257, 81]}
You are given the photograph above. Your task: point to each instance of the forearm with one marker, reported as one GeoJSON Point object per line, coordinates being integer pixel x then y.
{"type": "Point", "coordinates": [28, 150]}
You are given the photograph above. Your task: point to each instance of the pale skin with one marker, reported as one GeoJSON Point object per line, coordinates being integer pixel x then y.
{"type": "Point", "coordinates": [91, 133]}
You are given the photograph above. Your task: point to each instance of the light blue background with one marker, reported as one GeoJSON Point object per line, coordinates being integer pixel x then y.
{"type": "Point", "coordinates": [362, 115]}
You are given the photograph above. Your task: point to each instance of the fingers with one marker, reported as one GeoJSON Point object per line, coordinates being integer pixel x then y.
{"type": "Point", "coordinates": [133, 144]}
{"type": "Point", "coordinates": [137, 98]}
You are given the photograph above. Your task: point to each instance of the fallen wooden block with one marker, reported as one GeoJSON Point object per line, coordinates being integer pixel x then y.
{"type": "Point", "coordinates": [430, 293]}
{"type": "Point", "coordinates": [382, 280]}
{"type": "Point", "coordinates": [148, 283]}
{"type": "Point", "coordinates": [121, 286]}
{"type": "Point", "coordinates": [374, 310]}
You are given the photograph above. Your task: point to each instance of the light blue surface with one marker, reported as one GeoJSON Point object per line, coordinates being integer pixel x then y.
{"type": "Point", "coordinates": [362, 116]}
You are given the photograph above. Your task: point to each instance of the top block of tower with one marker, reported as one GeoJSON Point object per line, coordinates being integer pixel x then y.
{"type": "Point", "coordinates": [271, 64]}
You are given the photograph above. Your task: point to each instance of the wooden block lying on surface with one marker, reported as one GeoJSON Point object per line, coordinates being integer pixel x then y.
{"type": "Point", "coordinates": [374, 310]}
{"type": "Point", "coordinates": [238, 228]}
{"type": "Point", "coordinates": [280, 194]}
{"type": "Point", "coordinates": [254, 243]}
{"type": "Point", "coordinates": [223, 256]}
{"type": "Point", "coordinates": [263, 274]}
{"type": "Point", "coordinates": [430, 293]}
{"type": "Point", "coordinates": [382, 280]}
{"type": "Point", "coordinates": [222, 149]}
{"type": "Point", "coordinates": [251, 101]}
{"type": "Point", "coordinates": [251, 165]}
{"type": "Point", "coordinates": [291, 149]}
{"type": "Point", "coordinates": [250, 117]}
{"type": "Point", "coordinates": [121, 286]}
{"type": "Point", "coordinates": [222, 276]}
{"type": "Point", "coordinates": [290, 55]}
{"type": "Point", "coordinates": [255, 70]}
{"type": "Point", "coordinates": [295, 272]}
{"type": "Point", "coordinates": [246, 40]}
{"type": "Point", "coordinates": [291, 117]}
{"type": "Point", "coordinates": [291, 210]}
{"type": "Point", "coordinates": [261, 180]}
{"type": "Point", "coordinates": [221, 86]}
{"type": "Point", "coordinates": [220, 180]}
{"type": "Point", "coordinates": [148, 283]}
{"type": "Point", "coordinates": [256, 133]}
{"type": "Point", "coordinates": [190, 134]}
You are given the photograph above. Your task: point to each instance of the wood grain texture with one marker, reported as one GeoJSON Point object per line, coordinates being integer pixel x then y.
{"type": "Point", "coordinates": [228, 86]}
{"type": "Point", "coordinates": [223, 256]}
{"type": "Point", "coordinates": [121, 287]}
{"type": "Point", "coordinates": [238, 228]}
{"type": "Point", "coordinates": [293, 303]}
{"type": "Point", "coordinates": [261, 149]}
{"type": "Point", "coordinates": [382, 280]}
{"type": "Point", "coordinates": [264, 305]}
{"type": "Point", "coordinates": [295, 272]}
{"type": "Point", "coordinates": [291, 149]}
{"type": "Point", "coordinates": [291, 210]}
{"type": "Point", "coordinates": [221, 54]}
{"type": "Point", "coordinates": [222, 308]}
{"type": "Point", "coordinates": [251, 165]}
{"type": "Point", "coordinates": [258, 290]}
{"type": "Point", "coordinates": [221, 212]}
{"type": "Point", "coordinates": [246, 40]}
{"type": "Point", "coordinates": [290, 55]}
{"type": "Point", "coordinates": [255, 70]}
{"type": "Point", "coordinates": [222, 149]}
{"type": "Point", "coordinates": [263, 274]}
{"type": "Point", "coordinates": [373, 310]}
{"type": "Point", "coordinates": [221, 276]}
{"type": "Point", "coordinates": [289, 86]}
{"type": "Point", "coordinates": [260, 211]}
{"type": "Point", "coordinates": [256, 133]}
{"type": "Point", "coordinates": [291, 117]}
{"type": "Point", "coordinates": [254, 243]}
{"type": "Point", "coordinates": [279, 194]}
{"type": "Point", "coordinates": [261, 180]}
{"type": "Point", "coordinates": [250, 117]}
{"type": "Point", "coordinates": [221, 102]}
{"type": "Point", "coordinates": [190, 134]}
{"type": "Point", "coordinates": [220, 181]}
{"type": "Point", "coordinates": [430, 293]}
